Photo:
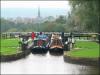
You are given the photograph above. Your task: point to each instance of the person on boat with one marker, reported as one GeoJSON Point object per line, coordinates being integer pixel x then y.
{"type": "Point", "coordinates": [42, 39]}
{"type": "Point", "coordinates": [43, 36]}
{"type": "Point", "coordinates": [67, 44]}
{"type": "Point", "coordinates": [33, 35]}
{"type": "Point", "coordinates": [24, 41]}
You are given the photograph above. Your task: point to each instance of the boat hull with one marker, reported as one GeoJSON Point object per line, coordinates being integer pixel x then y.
{"type": "Point", "coordinates": [56, 51]}
{"type": "Point", "coordinates": [39, 50]}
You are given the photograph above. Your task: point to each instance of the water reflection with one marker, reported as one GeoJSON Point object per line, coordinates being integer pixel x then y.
{"type": "Point", "coordinates": [44, 64]}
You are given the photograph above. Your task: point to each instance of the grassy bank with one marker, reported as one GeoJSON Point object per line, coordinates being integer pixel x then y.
{"type": "Point", "coordinates": [84, 49]}
{"type": "Point", "coordinates": [9, 46]}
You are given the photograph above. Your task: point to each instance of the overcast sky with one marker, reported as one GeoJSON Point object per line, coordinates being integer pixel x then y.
{"type": "Point", "coordinates": [30, 8]}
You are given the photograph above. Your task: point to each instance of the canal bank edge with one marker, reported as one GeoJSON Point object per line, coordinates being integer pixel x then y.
{"type": "Point", "coordinates": [82, 61]}
{"type": "Point", "coordinates": [13, 57]}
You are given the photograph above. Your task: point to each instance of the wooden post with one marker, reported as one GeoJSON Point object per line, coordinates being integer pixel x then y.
{"type": "Point", "coordinates": [6, 35]}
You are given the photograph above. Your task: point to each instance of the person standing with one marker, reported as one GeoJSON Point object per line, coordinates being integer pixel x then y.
{"type": "Point", "coordinates": [32, 35]}
{"type": "Point", "coordinates": [62, 35]}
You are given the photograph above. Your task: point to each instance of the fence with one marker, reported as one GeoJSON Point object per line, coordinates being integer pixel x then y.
{"type": "Point", "coordinates": [8, 35]}
{"type": "Point", "coordinates": [77, 36]}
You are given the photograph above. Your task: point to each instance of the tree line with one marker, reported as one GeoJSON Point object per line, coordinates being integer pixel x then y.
{"type": "Point", "coordinates": [47, 26]}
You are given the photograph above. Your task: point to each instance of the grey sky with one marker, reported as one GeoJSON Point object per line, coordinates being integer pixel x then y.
{"type": "Point", "coordinates": [30, 8]}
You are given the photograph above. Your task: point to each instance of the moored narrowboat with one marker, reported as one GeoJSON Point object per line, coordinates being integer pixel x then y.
{"type": "Point", "coordinates": [40, 44]}
{"type": "Point", "coordinates": [56, 45]}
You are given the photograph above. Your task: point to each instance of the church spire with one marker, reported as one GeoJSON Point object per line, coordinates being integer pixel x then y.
{"type": "Point", "coordinates": [39, 12]}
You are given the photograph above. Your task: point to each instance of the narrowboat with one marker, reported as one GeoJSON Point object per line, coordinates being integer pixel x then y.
{"type": "Point", "coordinates": [40, 44]}
{"type": "Point", "coordinates": [56, 45]}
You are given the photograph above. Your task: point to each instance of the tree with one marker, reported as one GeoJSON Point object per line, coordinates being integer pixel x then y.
{"type": "Point", "coordinates": [61, 19]}
{"type": "Point", "coordinates": [87, 13]}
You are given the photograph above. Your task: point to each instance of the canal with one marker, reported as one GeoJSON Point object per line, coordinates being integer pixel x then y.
{"type": "Point", "coordinates": [44, 64]}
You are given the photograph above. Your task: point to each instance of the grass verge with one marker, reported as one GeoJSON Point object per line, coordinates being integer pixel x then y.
{"type": "Point", "coordinates": [9, 46]}
{"type": "Point", "coordinates": [84, 49]}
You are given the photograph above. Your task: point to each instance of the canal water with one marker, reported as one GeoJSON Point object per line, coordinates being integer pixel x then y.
{"type": "Point", "coordinates": [44, 64]}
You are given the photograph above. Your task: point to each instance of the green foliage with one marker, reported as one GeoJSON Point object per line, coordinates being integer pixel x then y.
{"type": "Point", "coordinates": [5, 25]}
{"type": "Point", "coordinates": [10, 26]}
{"type": "Point", "coordinates": [85, 14]}
{"type": "Point", "coordinates": [61, 19]}
{"type": "Point", "coordinates": [47, 26]}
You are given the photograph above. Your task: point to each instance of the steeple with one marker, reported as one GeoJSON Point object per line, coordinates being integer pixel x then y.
{"type": "Point", "coordinates": [38, 19]}
{"type": "Point", "coordinates": [39, 12]}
